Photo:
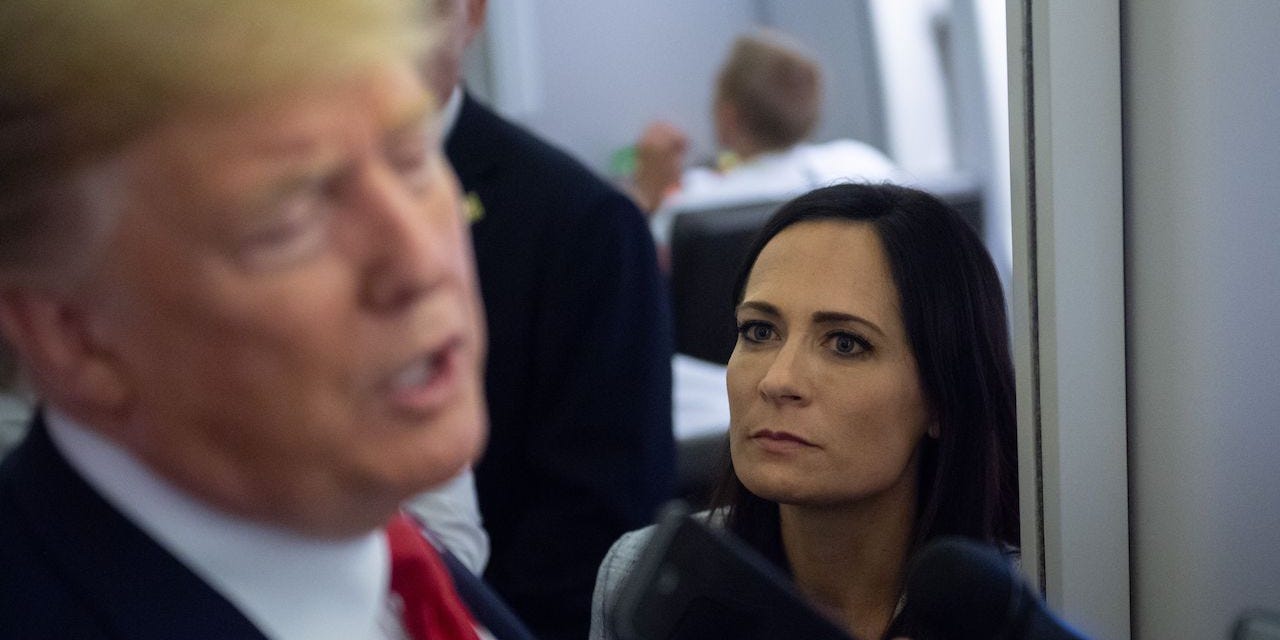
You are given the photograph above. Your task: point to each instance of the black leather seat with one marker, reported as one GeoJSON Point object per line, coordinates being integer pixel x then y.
{"type": "Point", "coordinates": [709, 245]}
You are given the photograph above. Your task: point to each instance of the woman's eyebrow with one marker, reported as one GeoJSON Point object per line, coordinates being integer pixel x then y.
{"type": "Point", "coordinates": [839, 317]}
{"type": "Point", "coordinates": [762, 307]}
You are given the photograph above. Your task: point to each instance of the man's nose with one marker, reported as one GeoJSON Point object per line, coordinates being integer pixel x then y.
{"type": "Point", "coordinates": [412, 240]}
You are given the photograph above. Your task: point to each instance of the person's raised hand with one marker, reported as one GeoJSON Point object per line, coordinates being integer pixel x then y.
{"type": "Point", "coordinates": [659, 161]}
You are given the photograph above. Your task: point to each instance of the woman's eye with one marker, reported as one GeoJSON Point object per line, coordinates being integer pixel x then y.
{"type": "Point", "coordinates": [756, 331]}
{"type": "Point", "coordinates": [849, 344]}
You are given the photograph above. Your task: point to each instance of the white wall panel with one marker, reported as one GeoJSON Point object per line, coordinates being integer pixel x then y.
{"type": "Point", "coordinates": [1202, 176]}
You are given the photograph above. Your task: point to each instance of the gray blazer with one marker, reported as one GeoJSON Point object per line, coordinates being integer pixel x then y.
{"type": "Point", "coordinates": [624, 554]}
{"type": "Point", "coordinates": [615, 568]}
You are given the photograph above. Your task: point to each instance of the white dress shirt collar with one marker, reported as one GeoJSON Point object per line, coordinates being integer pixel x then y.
{"type": "Point", "coordinates": [289, 586]}
{"type": "Point", "coordinates": [449, 113]}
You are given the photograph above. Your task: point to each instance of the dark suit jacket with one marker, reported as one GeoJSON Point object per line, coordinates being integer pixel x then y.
{"type": "Point", "coordinates": [72, 566]}
{"type": "Point", "coordinates": [579, 371]}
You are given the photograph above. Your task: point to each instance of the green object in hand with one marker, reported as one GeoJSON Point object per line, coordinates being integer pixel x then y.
{"type": "Point", "coordinates": [623, 162]}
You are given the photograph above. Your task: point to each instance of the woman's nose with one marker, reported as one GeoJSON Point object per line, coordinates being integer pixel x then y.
{"type": "Point", "coordinates": [785, 382]}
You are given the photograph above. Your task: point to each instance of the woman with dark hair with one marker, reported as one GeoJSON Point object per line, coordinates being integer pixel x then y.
{"type": "Point", "coordinates": [871, 401]}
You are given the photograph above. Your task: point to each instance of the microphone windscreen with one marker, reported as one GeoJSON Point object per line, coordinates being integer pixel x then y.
{"type": "Point", "coordinates": [966, 587]}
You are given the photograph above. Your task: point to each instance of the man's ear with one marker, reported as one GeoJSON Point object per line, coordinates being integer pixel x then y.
{"type": "Point", "coordinates": [476, 12]}
{"type": "Point", "coordinates": [728, 125]}
{"type": "Point", "coordinates": [52, 339]}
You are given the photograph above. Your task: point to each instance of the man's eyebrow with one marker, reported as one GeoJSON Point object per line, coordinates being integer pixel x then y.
{"type": "Point", "coordinates": [254, 203]}
{"type": "Point", "coordinates": [413, 120]}
{"type": "Point", "coordinates": [839, 317]}
{"type": "Point", "coordinates": [303, 176]}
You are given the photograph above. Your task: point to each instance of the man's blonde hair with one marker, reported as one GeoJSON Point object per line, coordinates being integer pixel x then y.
{"type": "Point", "coordinates": [81, 78]}
{"type": "Point", "coordinates": [775, 86]}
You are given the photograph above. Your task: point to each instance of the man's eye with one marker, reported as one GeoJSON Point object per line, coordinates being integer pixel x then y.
{"type": "Point", "coordinates": [299, 224]}
{"type": "Point", "coordinates": [293, 216]}
{"type": "Point", "coordinates": [412, 160]}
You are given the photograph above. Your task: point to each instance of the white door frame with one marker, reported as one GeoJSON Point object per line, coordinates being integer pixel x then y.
{"type": "Point", "coordinates": [1068, 306]}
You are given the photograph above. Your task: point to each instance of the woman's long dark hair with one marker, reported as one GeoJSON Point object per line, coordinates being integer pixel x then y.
{"type": "Point", "coordinates": [954, 313]}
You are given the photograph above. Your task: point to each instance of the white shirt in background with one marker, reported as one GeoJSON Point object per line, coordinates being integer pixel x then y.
{"type": "Point", "coordinates": [775, 176]}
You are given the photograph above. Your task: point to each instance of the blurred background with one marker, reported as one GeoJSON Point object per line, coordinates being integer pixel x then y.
{"type": "Point", "coordinates": [921, 80]}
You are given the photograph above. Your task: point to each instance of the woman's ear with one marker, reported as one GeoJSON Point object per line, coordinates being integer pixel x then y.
{"type": "Point", "coordinates": [52, 340]}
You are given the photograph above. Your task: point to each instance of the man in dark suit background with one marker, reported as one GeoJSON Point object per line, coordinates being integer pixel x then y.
{"type": "Point", "coordinates": [579, 370]}
{"type": "Point", "coordinates": [233, 266]}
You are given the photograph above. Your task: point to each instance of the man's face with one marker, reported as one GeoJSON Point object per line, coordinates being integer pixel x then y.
{"type": "Point", "coordinates": [291, 304]}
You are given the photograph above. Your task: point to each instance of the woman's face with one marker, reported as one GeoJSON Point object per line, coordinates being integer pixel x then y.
{"type": "Point", "coordinates": [824, 397]}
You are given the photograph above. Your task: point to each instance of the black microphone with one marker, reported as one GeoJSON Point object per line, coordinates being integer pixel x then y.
{"type": "Point", "coordinates": [968, 590]}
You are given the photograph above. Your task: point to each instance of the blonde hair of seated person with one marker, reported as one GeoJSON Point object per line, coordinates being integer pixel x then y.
{"type": "Point", "coordinates": [768, 94]}
{"type": "Point", "coordinates": [768, 98]}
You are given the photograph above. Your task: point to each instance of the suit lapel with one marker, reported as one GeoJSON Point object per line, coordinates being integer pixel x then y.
{"type": "Point", "coordinates": [488, 609]}
{"type": "Point", "coordinates": [138, 589]}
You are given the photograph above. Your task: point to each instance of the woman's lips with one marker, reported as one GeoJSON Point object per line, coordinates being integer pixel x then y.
{"type": "Point", "coordinates": [775, 439]}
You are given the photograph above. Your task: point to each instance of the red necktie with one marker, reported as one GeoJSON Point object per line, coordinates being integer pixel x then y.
{"type": "Point", "coordinates": [432, 608]}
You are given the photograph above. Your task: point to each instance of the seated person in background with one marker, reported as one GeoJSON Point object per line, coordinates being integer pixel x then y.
{"type": "Point", "coordinates": [578, 379]}
{"type": "Point", "coordinates": [872, 403]}
{"type": "Point", "coordinates": [767, 101]}
{"type": "Point", "coordinates": [234, 268]}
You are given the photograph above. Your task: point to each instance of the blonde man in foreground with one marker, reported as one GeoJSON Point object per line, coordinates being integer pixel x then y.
{"type": "Point", "coordinates": [240, 284]}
